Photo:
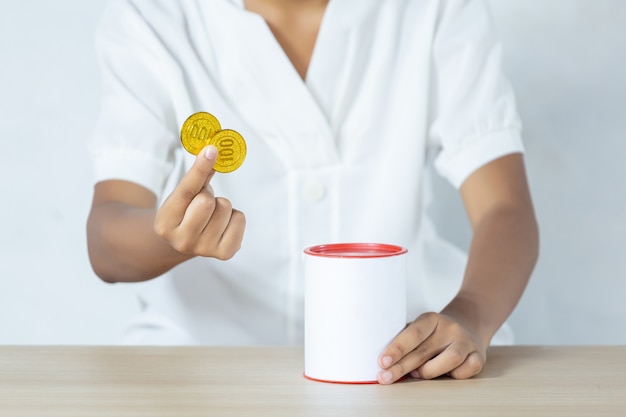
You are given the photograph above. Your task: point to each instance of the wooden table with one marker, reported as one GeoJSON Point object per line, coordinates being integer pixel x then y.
{"type": "Point", "coordinates": [267, 381]}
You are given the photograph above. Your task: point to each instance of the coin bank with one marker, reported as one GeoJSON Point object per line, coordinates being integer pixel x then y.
{"type": "Point", "coordinates": [355, 304]}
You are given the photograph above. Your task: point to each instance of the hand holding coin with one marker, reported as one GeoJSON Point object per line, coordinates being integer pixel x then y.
{"type": "Point", "coordinates": [195, 222]}
{"type": "Point", "coordinates": [202, 129]}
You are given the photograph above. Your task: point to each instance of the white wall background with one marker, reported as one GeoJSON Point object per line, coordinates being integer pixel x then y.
{"type": "Point", "coordinates": [49, 88]}
{"type": "Point", "coordinates": [566, 59]}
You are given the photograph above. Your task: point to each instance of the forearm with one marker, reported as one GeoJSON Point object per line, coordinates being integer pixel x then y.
{"type": "Point", "coordinates": [123, 246]}
{"type": "Point", "coordinates": [502, 255]}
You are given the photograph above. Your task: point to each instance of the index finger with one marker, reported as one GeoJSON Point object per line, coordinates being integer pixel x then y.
{"type": "Point", "coordinates": [407, 340]}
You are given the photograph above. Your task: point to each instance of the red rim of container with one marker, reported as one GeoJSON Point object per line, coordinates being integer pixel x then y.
{"type": "Point", "coordinates": [355, 250]}
{"type": "Point", "coordinates": [328, 381]}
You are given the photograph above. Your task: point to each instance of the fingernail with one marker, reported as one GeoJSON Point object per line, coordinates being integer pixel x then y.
{"type": "Point", "coordinates": [416, 375]}
{"type": "Point", "coordinates": [386, 377]}
{"type": "Point", "coordinates": [210, 152]}
{"type": "Point", "coordinates": [387, 361]}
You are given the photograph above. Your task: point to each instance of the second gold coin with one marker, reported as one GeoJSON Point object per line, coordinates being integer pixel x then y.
{"type": "Point", "coordinates": [232, 150]}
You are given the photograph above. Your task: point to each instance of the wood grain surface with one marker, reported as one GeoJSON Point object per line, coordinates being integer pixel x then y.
{"type": "Point", "coordinates": [89, 381]}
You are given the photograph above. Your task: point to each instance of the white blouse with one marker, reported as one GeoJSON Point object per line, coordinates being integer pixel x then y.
{"type": "Point", "coordinates": [339, 157]}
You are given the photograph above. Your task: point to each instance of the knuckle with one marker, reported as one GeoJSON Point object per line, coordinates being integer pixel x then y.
{"type": "Point", "coordinates": [456, 357]}
{"type": "Point", "coordinates": [415, 333]}
{"type": "Point", "coordinates": [471, 367]}
{"type": "Point", "coordinates": [223, 254]}
{"type": "Point", "coordinates": [460, 373]}
{"type": "Point", "coordinates": [205, 201]}
{"type": "Point", "coordinates": [474, 364]}
{"type": "Point", "coordinates": [183, 246]}
{"type": "Point", "coordinates": [238, 218]}
{"type": "Point", "coordinates": [425, 372]}
{"type": "Point", "coordinates": [229, 248]}
{"type": "Point", "coordinates": [399, 369]}
{"type": "Point", "coordinates": [397, 350]}
{"type": "Point", "coordinates": [205, 249]}
{"type": "Point", "coordinates": [159, 228]}
{"type": "Point", "coordinates": [428, 316]}
{"type": "Point", "coordinates": [223, 204]}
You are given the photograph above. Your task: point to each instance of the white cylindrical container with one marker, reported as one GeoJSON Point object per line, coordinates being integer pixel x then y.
{"type": "Point", "coordinates": [355, 304]}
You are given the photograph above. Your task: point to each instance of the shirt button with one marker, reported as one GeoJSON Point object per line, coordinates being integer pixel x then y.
{"type": "Point", "coordinates": [314, 191]}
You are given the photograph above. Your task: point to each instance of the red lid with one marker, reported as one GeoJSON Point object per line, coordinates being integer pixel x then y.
{"type": "Point", "coordinates": [355, 250]}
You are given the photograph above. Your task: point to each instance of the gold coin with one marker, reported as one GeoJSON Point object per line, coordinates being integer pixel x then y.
{"type": "Point", "coordinates": [197, 130]}
{"type": "Point", "coordinates": [232, 150]}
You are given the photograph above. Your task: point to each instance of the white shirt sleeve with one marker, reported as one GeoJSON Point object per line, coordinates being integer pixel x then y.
{"type": "Point", "coordinates": [475, 116]}
{"type": "Point", "coordinates": [134, 138]}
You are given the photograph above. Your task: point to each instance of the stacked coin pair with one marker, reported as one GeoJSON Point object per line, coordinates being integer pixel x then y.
{"type": "Point", "coordinates": [202, 129]}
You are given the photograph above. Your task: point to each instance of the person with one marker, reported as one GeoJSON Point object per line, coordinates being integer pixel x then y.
{"type": "Point", "coordinates": [343, 105]}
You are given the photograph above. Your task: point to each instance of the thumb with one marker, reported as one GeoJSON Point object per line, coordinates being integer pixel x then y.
{"type": "Point", "coordinates": [210, 153]}
{"type": "Point", "coordinates": [195, 180]}
{"type": "Point", "coordinates": [198, 177]}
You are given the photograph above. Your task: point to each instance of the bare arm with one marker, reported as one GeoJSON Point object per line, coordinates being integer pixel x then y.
{"type": "Point", "coordinates": [502, 255]}
{"type": "Point", "coordinates": [120, 234]}
{"type": "Point", "coordinates": [130, 240]}
{"type": "Point", "coordinates": [504, 247]}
